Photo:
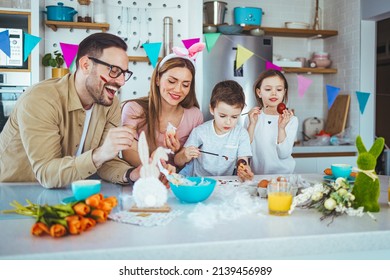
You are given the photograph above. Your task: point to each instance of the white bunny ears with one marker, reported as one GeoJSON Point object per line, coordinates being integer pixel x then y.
{"type": "Point", "coordinates": [189, 53]}
{"type": "Point", "coordinates": [149, 169]}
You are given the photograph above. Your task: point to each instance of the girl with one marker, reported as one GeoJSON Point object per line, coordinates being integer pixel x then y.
{"type": "Point", "coordinates": [271, 134]}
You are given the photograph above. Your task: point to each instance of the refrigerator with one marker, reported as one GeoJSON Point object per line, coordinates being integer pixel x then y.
{"type": "Point", "coordinates": [220, 64]}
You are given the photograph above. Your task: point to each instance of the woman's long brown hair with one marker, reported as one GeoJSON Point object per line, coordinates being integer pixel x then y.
{"type": "Point", "coordinates": [151, 104]}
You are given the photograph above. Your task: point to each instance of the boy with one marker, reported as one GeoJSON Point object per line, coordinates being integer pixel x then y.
{"type": "Point", "coordinates": [221, 136]}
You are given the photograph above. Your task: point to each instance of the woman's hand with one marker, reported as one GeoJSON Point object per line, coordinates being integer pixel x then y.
{"type": "Point", "coordinates": [172, 142]}
{"type": "Point", "coordinates": [171, 169]}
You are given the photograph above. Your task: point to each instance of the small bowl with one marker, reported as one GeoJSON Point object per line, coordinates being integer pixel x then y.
{"type": "Point", "coordinates": [83, 189]}
{"type": "Point", "coordinates": [230, 29]}
{"type": "Point", "coordinates": [341, 170]}
{"type": "Point", "coordinates": [257, 32]}
{"type": "Point", "coordinates": [194, 193]}
{"type": "Point", "coordinates": [322, 63]}
{"type": "Point", "coordinates": [209, 29]}
{"type": "Point", "coordinates": [297, 25]}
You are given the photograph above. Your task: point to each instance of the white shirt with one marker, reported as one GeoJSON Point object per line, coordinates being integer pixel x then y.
{"type": "Point", "coordinates": [269, 157]}
{"type": "Point", "coordinates": [88, 114]}
{"type": "Point", "coordinates": [233, 144]}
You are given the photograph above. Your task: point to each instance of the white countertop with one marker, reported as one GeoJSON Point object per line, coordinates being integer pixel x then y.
{"type": "Point", "coordinates": [253, 236]}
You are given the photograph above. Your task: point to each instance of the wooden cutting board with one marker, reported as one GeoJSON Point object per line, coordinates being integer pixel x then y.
{"type": "Point", "coordinates": [337, 115]}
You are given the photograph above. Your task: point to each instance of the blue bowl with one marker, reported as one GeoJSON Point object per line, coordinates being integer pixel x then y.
{"type": "Point", "coordinates": [83, 189]}
{"type": "Point", "coordinates": [341, 170]}
{"type": "Point", "coordinates": [196, 193]}
{"type": "Point", "coordinates": [230, 29]}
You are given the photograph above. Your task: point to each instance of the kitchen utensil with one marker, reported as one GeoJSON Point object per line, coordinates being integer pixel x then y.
{"type": "Point", "coordinates": [247, 16]}
{"type": "Point", "coordinates": [257, 32]}
{"type": "Point", "coordinates": [200, 189]}
{"type": "Point", "coordinates": [214, 12]}
{"type": "Point", "coordinates": [167, 35]}
{"type": "Point", "coordinates": [209, 153]}
{"type": "Point", "coordinates": [213, 154]}
{"type": "Point", "coordinates": [337, 115]}
{"type": "Point", "coordinates": [311, 127]}
{"type": "Point", "coordinates": [60, 12]}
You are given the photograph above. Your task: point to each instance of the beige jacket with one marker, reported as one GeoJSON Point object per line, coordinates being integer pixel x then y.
{"type": "Point", "coordinates": [40, 140]}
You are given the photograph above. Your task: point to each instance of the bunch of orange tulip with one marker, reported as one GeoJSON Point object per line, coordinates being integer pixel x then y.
{"type": "Point", "coordinates": [71, 218]}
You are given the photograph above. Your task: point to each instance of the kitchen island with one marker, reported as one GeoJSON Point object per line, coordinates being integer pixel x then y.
{"type": "Point", "coordinates": [253, 236]}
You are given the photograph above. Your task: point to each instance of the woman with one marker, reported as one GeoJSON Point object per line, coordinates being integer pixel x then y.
{"type": "Point", "coordinates": [171, 110]}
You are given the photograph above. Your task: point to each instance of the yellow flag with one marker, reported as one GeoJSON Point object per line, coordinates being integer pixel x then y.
{"type": "Point", "coordinates": [242, 55]}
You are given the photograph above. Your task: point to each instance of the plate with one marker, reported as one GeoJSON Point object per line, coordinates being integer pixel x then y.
{"type": "Point", "coordinates": [331, 178]}
{"type": "Point", "coordinates": [69, 199]}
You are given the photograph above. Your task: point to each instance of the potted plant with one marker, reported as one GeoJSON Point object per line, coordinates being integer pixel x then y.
{"type": "Point", "coordinates": [55, 60]}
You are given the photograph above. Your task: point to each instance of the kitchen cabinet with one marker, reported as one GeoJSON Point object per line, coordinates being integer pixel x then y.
{"type": "Point", "coordinates": [54, 25]}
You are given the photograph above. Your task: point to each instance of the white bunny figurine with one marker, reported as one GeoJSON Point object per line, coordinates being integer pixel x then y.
{"type": "Point", "coordinates": [148, 190]}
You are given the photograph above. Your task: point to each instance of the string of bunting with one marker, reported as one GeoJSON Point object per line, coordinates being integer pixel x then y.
{"type": "Point", "coordinates": [153, 49]}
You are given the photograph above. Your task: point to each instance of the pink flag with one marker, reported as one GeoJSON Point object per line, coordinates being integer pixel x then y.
{"type": "Point", "coordinates": [269, 65]}
{"type": "Point", "coordinates": [69, 51]}
{"type": "Point", "coordinates": [303, 84]}
{"type": "Point", "coordinates": [189, 42]}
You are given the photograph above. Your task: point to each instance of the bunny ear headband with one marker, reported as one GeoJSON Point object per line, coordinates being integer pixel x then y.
{"type": "Point", "coordinates": [189, 53]}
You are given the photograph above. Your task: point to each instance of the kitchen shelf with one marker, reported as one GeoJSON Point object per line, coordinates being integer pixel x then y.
{"type": "Point", "coordinates": [54, 25]}
{"type": "Point", "coordinates": [141, 58]}
{"type": "Point", "coordinates": [292, 32]}
{"type": "Point", "coordinates": [309, 70]}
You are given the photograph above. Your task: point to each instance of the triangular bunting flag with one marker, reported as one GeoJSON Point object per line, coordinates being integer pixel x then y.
{"type": "Point", "coordinates": [362, 99]}
{"type": "Point", "coordinates": [303, 84]}
{"type": "Point", "coordinates": [152, 50]}
{"type": "Point", "coordinates": [243, 55]}
{"type": "Point", "coordinates": [4, 43]}
{"type": "Point", "coordinates": [332, 93]}
{"type": "Point", "coordinates": [30, 41]}
{"type": "Point", "coordinates": [269, 65]}
{"type": "Point", "coordinates": [211, 39]}
{"type": "Point", "coordinates": [189, 42]}
{"type": "Point", "coordinates": [69, 51]}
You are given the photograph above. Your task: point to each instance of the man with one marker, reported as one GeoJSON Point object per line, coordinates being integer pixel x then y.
{"type": "Point", "coordinates": [67, 129]}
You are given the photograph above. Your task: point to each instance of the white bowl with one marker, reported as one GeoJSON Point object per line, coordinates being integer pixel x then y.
{"type": "Point", "coordinates": [209, 29]}
{"type": "Point", "coordinates": [257, 32]}
{"type": "Point", "coordinates": [297, 25]}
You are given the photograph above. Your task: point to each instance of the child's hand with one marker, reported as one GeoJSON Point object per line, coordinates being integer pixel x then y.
{"type": "Point", "coordinates": [191, 152]}
{"type": "Point", "coordinates": [285, 118]}
{"type": "Point", "coordinates": [253, 115]}
{"type": "Point", "coordinates": [172, 142]}
{"type": "Point", "coordinates": [244, 173]}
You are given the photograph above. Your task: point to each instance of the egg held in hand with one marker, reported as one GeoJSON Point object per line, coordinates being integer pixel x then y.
{"type": "Point", "coordinates": [281, 107]}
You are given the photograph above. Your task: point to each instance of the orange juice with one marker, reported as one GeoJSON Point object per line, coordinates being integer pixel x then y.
{"type": "Point", "coordinates": [279, 203]}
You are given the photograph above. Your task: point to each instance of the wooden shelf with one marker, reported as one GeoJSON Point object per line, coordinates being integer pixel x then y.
{"type": "Point", "coordinates": [310, 70]}
{"type": "Point", "coordinates": [297, 33]}
{"type": "Point", "coordinates": [141, 58]}
{"type": "Point", "coordinates": [54, 25]}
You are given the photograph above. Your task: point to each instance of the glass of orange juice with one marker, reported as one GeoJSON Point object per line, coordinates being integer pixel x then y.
{"type": "Point", "coordinates": [279, 198]}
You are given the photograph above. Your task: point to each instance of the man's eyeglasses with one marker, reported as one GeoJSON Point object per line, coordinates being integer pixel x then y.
{"type": "Point", "coordinates": [115, 71]}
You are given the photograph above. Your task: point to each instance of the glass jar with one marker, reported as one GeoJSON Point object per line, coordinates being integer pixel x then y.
{"type": "Point", "coordinates": [99, 15]}
{"type": "Point", "coordinates": [84, 11]}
